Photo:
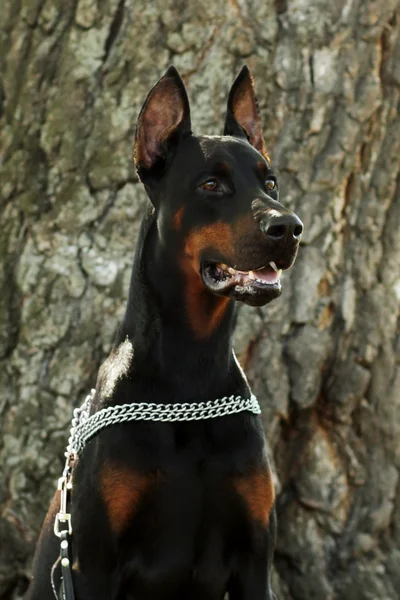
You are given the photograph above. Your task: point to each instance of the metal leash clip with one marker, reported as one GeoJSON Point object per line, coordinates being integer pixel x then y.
{"type": "Point", "coordinates": [64, 485]}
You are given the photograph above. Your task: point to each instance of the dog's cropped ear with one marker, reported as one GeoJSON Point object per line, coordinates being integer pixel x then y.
{"type": "Point", "coordinates": [163, 120]}
{"type": "Point", "coordinates": [242, 117]}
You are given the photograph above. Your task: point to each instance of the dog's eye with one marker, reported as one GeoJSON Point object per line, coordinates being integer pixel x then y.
{"type": "Point", "coordinates": [270, 184]}
{"type": "Point", "coordinates": [211, 185]}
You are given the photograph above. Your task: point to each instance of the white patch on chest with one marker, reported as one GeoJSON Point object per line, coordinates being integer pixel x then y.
{"type": "Point", "coordinates": [116, 366]}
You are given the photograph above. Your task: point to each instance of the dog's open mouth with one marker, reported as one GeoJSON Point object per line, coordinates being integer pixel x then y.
{"type": "Point", "coordinates": [222, 279]}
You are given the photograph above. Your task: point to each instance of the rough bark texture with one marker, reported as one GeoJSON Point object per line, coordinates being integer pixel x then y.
{"type": "Point", "coordinates": [323, 359]}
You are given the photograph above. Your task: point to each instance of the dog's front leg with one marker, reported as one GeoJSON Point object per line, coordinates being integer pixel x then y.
{"type": "Point", "coordinates": [92, 585]}
{"type": "Point", "coordinates": [94, 557]}
{"type": "Point", "coordinates": [252, 580]}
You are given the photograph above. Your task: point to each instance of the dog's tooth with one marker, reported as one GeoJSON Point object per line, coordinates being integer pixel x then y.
{"type": "Point", "coordinates": [273, 265]}
{"type": "Point", "coordinates": [279, 273]}
{"type": "Point", "coordinates": [231, 271]}
{"type": "Point", "coordinates": [251, 275]}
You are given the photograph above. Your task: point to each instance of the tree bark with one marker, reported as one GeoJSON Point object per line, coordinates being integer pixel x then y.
{"type": "Point", "coordinates": [323, 359]}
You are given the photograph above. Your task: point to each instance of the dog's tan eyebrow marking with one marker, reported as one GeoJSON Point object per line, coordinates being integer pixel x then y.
{"type": "Point", "coordinates": [222, 168]}
{"type": "Point", "coordinates": [263, 167]}
{"type": "Point", "coordinates": [257, 490]}
{"type": "Point", "coordinates": [219, 169]}
{"type": "Point", "coordinates": [114, 367]}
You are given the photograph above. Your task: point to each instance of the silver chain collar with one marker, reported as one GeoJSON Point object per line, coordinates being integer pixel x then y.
{"type": "Point", "coordinates": [84, 427]}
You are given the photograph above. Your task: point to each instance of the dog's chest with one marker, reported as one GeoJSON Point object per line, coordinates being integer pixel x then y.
{"type": "Point", "coordinates": [189, 522]}
{"type": "Point", "coordinates": [188, 477]}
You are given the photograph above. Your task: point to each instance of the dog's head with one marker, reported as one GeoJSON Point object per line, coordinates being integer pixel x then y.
{"type": "Point", "coordinates": [216, 197]}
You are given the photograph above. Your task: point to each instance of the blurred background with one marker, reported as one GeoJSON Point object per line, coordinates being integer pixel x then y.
{"type": "Point", "coordinates": [323, 359]}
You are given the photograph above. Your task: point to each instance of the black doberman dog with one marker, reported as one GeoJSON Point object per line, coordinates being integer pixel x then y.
{"type": "Point", "coordinates": [179, 510]}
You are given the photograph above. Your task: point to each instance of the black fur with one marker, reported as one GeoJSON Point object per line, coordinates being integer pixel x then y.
{"type": "Point", "coordinates": [183, 510]}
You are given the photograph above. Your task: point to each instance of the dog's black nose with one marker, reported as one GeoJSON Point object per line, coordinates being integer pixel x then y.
{"type": "Point", "coordinates": [282, 227]}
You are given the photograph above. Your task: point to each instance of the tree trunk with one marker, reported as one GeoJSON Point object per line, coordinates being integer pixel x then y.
{"type": "Point", "coordinates": [323, 359]}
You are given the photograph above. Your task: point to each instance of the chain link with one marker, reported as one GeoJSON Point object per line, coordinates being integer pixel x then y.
{"type": "Point", "coordinates": [84, 427]}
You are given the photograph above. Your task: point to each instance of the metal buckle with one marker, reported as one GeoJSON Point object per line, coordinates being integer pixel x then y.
{"type": "Point", "coordinates": [64, 485]}
{"type": "Point", "coordinates": [62, 518]}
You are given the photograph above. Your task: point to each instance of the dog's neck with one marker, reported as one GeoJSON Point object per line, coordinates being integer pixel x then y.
{"type": "Point", "coordinates": [183, 364]}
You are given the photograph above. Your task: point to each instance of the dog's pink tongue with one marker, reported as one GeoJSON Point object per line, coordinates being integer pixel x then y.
{"type": "Point", "coordinates": [267, 275]}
